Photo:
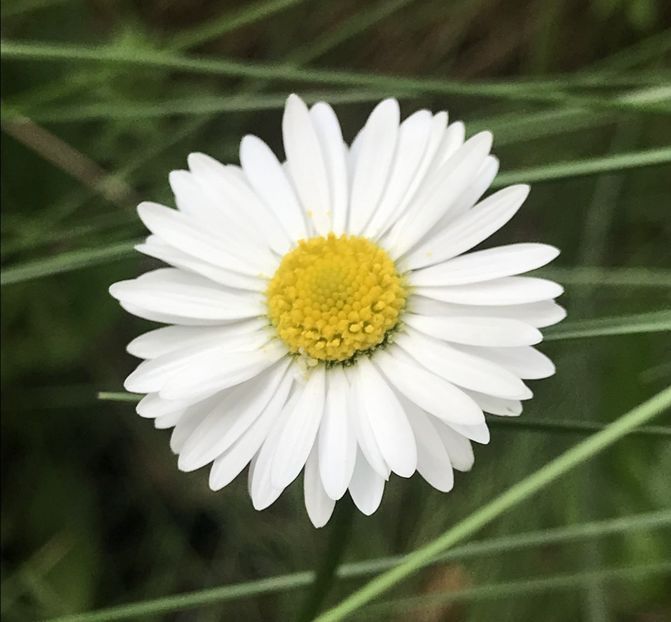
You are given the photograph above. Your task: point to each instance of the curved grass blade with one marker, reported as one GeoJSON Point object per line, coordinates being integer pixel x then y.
{"type": "Point", "coordinates": [654, 322]}
{"type": "Point", "coordinates": [66, 262]}
{"type": "Point", "coordinates": [589, 166]}
{"type": "Point", "coordinates": [523, 490]}
{"type": "Point", "coordinates": [509, 589]}
{"type": "Point", "coordinates": [492, 546]}
{"type": "Point", "coordinates": [37, 50]}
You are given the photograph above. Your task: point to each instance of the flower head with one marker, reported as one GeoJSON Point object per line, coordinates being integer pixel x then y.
{"type": "Point", "coordinates": [325, 314]}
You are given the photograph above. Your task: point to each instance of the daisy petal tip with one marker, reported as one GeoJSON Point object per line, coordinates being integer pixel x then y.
{"type": "Point", "coordinates": [116, 289]}
{"type": "Point", "coordinates": [249, 141]}
{"type": "Point", "coordinates": [186, 463]}
{"type": "Point", "coordinates": [147, 209]}
{"type": "Point", "coordinates": [524, 190]}
{"type": "Point", "coordinates": [487, 137]}
{"type": "Point", "coordinates": [526, 394]}
{"type": "Point", "coordinates": [318, 522]}
{"type": "Point", "coordinates": [130, 384]}
{"type": "Point", "coordinates": [213, 483]}
{"type": "Point", "coordinates": [194, 160]}
{"type": "Point", "coordinates": [294, 101]}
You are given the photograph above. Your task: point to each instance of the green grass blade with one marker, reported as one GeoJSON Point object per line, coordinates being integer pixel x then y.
{"type": "Point", "coordinates": [653, 322]}
{"type": "Point", "coordinates": [31, 50]}
{"type": "Point", "coordinates": [509, 589]}
{"type": "Point", "coordinates": [19, 8]}
{"type": "Point", "coordinates": [492, 546]}
{"type": "Point", "coordinates": [589, 166]}
{"type": "Point", "coordinates": [510, 128]}
{"type": "Point", "coordinates": [217, 27]}
{"type": "Point", "coordinates": [546, 426]}
{"type": "Point", "coordinates": [118, 396]}
{"type": "Point", "coordinates": [361, 21]}
{"type": "Point", "coordinates": [66, 262]}
{"type": "Point", "coordinates": [609, 277]}
{"type": "Point", "coordinates": [203, 105]}
{"type": "Point", "coordinates": [523, 490]}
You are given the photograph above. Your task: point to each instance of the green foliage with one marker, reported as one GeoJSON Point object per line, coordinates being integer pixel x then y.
{"type": "Point", "coordinates": [101, 100]}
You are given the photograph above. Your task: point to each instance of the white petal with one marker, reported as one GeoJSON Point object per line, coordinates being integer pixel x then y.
{"type": "Point", "coordinates": [188, 236]}
{"type": "Point", "coordinates": [306, 164]}
{"type": "Point", "coordinates": [425, 389]}
{"type": "Point", "coordinates": [366, 487]}
{"type": "Point", "coordinates": [190, 200]}
{"type": "Point", "coordinates": [300, 429]}
{"type": "Point", "coordinates": [194, 299]}
{"type": "Point", "coordinates": [461, 368]}
{"type": "Point", "coordinates": [378, 146]}
{"type": "Point", "coordinates": [433, 461]}
{"type": "Point", "coordinates": [154, 247]}
{"type": "Point", "coordinates": [261, 488]}
{"type": "Point", "coordinates": [334, 151]}
{"type": "Point", "coordinates": [152, 406]}
{"type": "Point", "coordinates": [228, 466]}
{"type": "Point", "coordinates": [413, 136]}
{"type": "Point", "coordinates": [420, 178]}
{"type": "Point", "coordinates": [509, 290]}
{"type": "Point", "coordinates": [452, 140]}
{"type": "Point", "coordinates": [169, 420]}
{"type": "Point", "coordinates": [172, 338]}
{"type": "Point", "coordinates": [266, 176]}
{"type": "Point", "coordinates": [485, 265]}
{"type": "Point", "coordinates": [497, 405]}
{"type": "Point", "coordinates": [246, 212]}
{"type": "Point", "coordinates": [469, 197]}
{"type": "Point", "coordinates": [525, 362]}
{"type": "Point", "coordinates": [152, 375]}
{"type": "Point", "coordinates": [435, 199]}
{"type": "Point", "coordinates": [478, 433]}
{"type": "Point", "coordinates": [538, 314]}
{"type": "Point", "coordinates": [214, 372]}
{"type": "Point", "coordinates": [458, 447]}
{"type": "Point", "coordinates": [468, 230]}
{"type": "Point", "coordinates": [362, 425]}
{"type": "Point", "coordinates": [318, 504]}
{"type": "Point", "coordinates": [166, 318]}
{"type": "Point", "coordinates": [190, 421]}
{"type": "Point", "coordinates": [388, 420]}
{"type": "Point", "coordinates": [337, 438]}
{"type": "Point", "coordinates": [232, 417]}
{"type": "Point", "coordinates": [477, 331]}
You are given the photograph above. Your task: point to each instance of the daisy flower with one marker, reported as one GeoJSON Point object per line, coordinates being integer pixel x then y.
{"type": "Point", "coordinates": [326, 314]}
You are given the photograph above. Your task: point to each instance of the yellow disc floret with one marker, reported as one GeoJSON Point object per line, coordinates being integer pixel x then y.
{"type": "Point", "coordinates": [333, 297]}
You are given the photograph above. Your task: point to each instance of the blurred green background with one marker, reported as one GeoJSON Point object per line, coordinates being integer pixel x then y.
{"type": "Point", "coordinates": [94, 511]}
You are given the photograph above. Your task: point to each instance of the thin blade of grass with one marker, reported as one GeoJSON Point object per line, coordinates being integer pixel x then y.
{"type": "Point", "coordinates": [492, 546]}
{"type": "Point", "coordinates": [203, 105]}
{"type": "Point", "coordinates": [653, 322]}
{"type": "Point", "coordinates": [217, 27]}
{"type": "Point", "coordinates": [66, 262]}
{"type": "Point", "coordinates": [609, 277]}
{"type": "Point", "coordinates": [588, 166]}
{"type": "Point", "coordinates": [522, 587]}
{"type": "Point", "coordinates": [523, 490]}
{"type": "Point", "coordinates": [568, 426]}
{"type": "Point", "coordinates": [37, 50]}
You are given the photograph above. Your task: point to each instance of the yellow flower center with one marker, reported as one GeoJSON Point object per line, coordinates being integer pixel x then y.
{"type": "Point", "coordinates": [333, 297]}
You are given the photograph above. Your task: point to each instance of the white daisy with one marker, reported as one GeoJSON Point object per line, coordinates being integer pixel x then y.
{"type": "Point", "coordinates": [323, 315]}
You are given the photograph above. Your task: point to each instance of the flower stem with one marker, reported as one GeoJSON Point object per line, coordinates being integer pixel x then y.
{"type": "Point", "coordinates": [340, 530]}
